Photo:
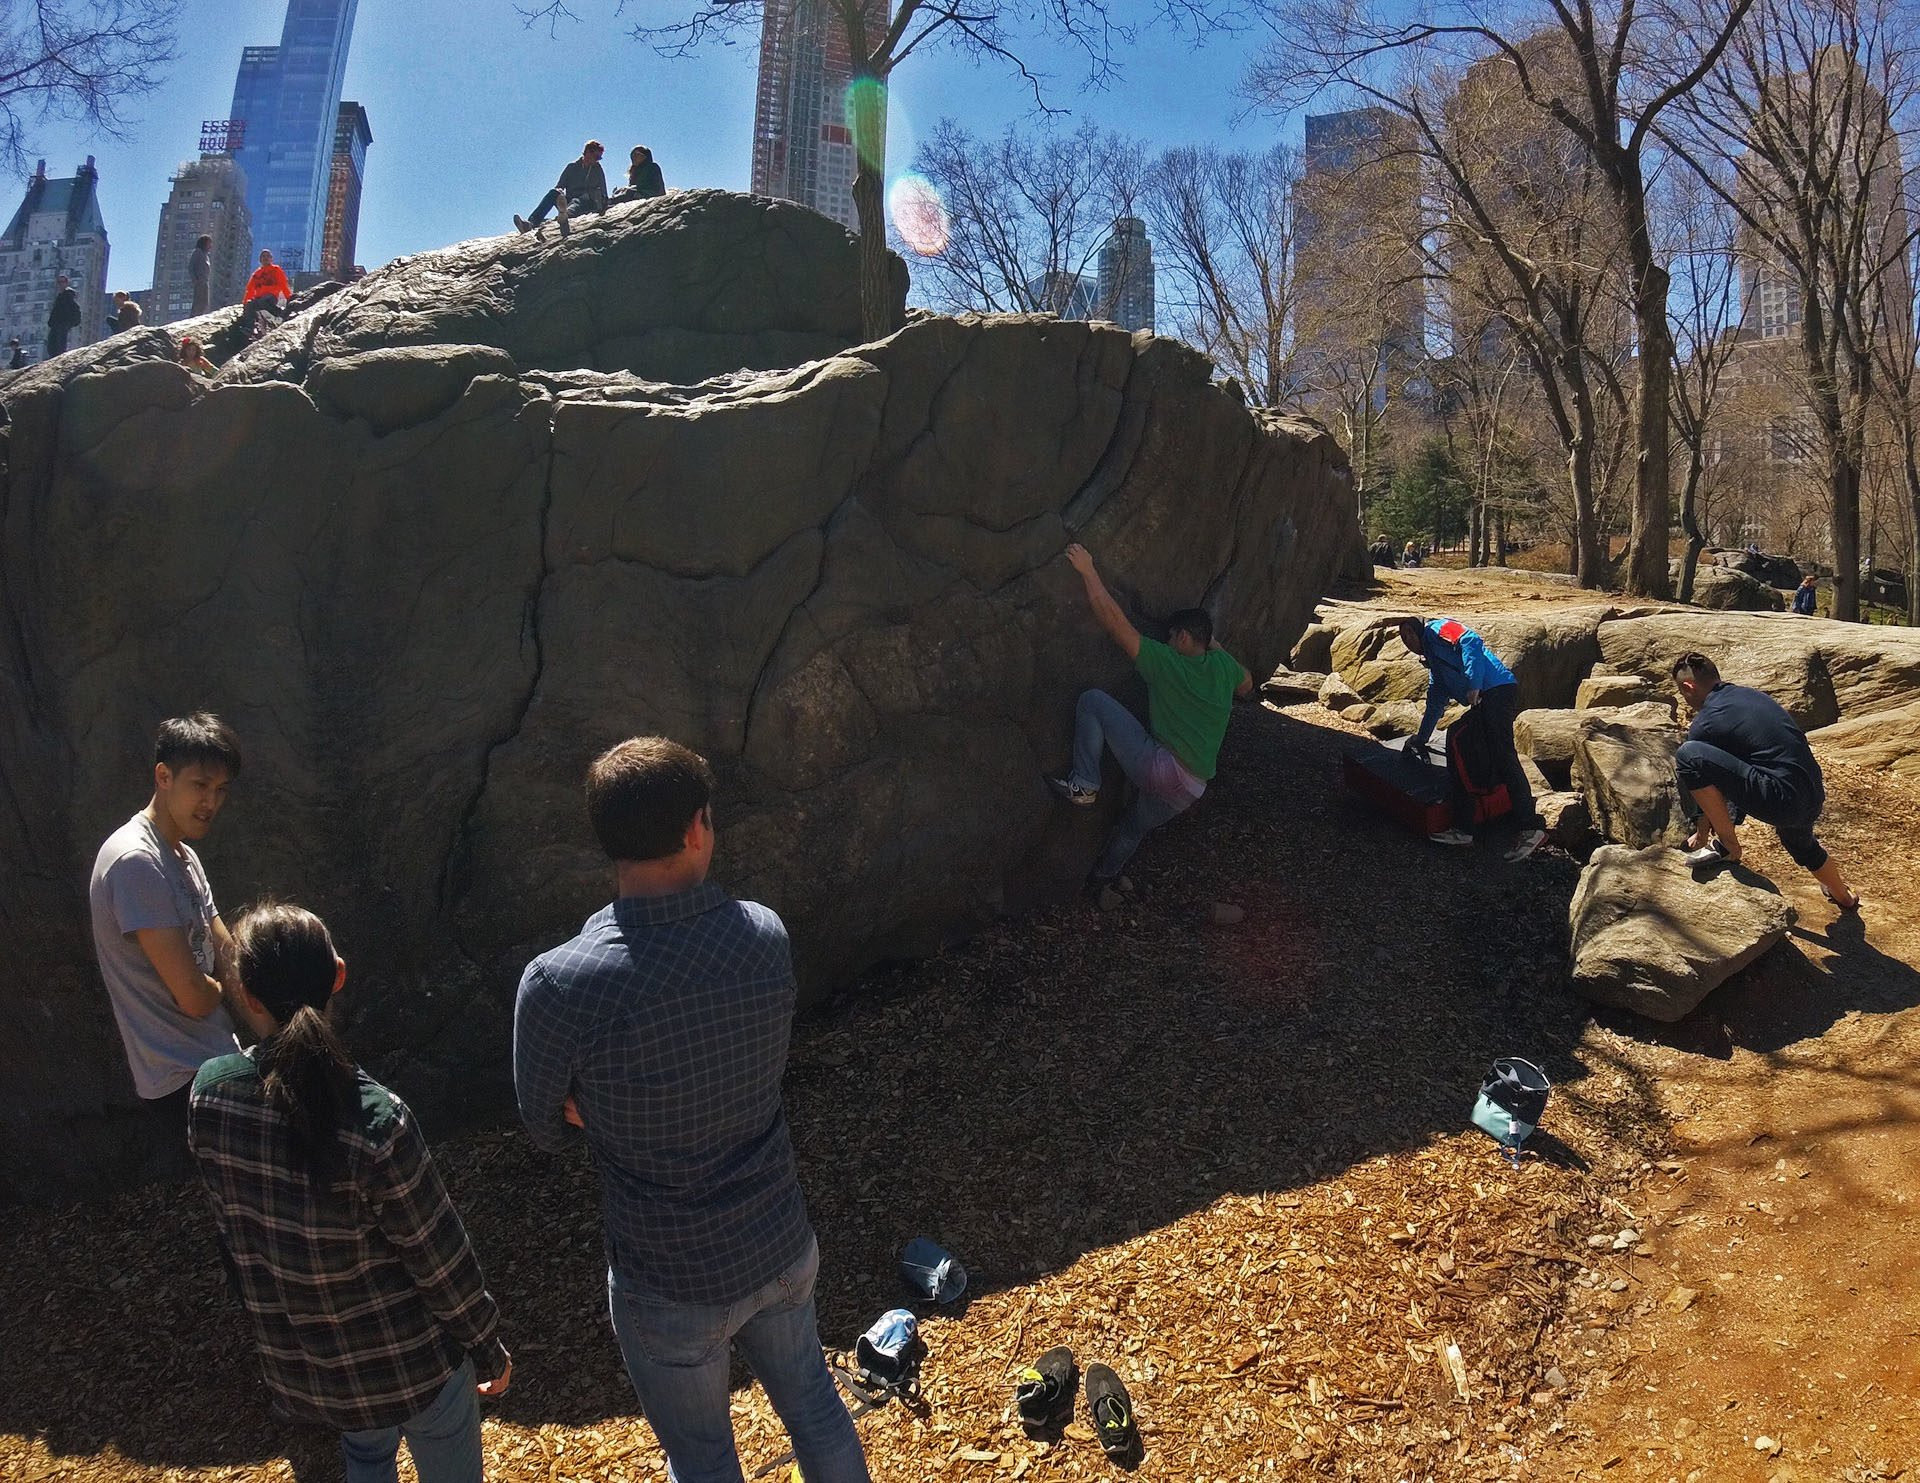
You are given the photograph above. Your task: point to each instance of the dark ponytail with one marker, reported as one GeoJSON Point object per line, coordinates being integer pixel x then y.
{"type": "Point", "coordinates": [286, 960]}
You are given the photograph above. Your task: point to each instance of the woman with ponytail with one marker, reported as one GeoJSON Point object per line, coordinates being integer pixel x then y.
{"type": "Point", "coordinates": [369, 1310]}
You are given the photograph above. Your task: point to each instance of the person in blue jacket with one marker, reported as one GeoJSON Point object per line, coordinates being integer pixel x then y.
{"type": "Point", "coordinates": [1804, 597]}
{"type": "Point", "coordinates": [1461, 668]}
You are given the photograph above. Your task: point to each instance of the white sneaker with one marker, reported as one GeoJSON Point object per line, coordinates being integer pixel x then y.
{"type": "Point", "coordinates": [1452, 837]}
{"type": "Point", "coordinates": [1529, 841]}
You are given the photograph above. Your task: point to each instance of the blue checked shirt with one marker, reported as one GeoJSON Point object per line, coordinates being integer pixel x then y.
{"type": "Point", "coordinates": [667, 1021]}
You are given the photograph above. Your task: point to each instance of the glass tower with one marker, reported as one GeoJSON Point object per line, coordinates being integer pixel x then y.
{"type": "Point", "coordinates": [288, 98]}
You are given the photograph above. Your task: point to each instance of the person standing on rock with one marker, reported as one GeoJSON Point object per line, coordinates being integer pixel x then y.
{"type": "Point", "coordinates": [1191, 685]}
{"type": "Point", "coordinates": [369, 1311]}
{"type": "Point", "coordinates": [1461, 668]}
{"type": "Point", "coordinates": [63, 317]}
{"type": "Point", "coordinates": [1744, 756]}
{"type": "Point", "coordinates": [661, 1031]}
{"type": "Point", "coordinates": [582, 188]}
{"type": "Point", "coordinates": [266, 289]}
{"type": "Point", "coordinates": [163, 950]}
{"type": "Point", "coordinates": [200, 270]}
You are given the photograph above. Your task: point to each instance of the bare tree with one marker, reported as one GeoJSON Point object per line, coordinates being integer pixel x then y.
{"type": "Point", "coordinates": [1224, 226]}
{"type": "Point", "coordinates": [1696, 232]}
{"type": "Point", "coordinates": [78, 60]}
{"type": "Point", "coordinates": [1596, 76]}
{"type": "Point", "coordinates": [1027, 216]}
{"type": "Point", "coordinates": [878, 42]}
{"type": "Point", "coordinates": [1897, 388]}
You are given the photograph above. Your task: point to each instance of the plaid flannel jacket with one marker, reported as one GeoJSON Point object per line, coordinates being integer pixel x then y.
{"type": "Point", "coordinates": [362, 1303]}
{"type": "Point", "coordinates": [667, 1021]}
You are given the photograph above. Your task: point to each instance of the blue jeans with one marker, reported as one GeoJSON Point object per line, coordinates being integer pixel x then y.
{"type": "Point", "coordinates": [676, 1356]}
{"type": "Point", "coordinates": [1100, 720]}
{"type": "Point", "coordinates": [444, 1439]}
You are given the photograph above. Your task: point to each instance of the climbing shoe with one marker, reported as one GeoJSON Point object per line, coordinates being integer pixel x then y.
{"type": "Point", "coordinates": [1067, 790]}
{"type": "Point", "coordinates": [1529, 841]}
{"type": "Point", "coordinates": [1112, 1411]}
{"type": "Point", "coordinates": [1044, 1390]}
{"type": "Point", "coordinates": [1709, 854]}
{"type": "Point", "coordinates": [521, 224]}
{"type": "Point", "coordinates": [1459, 838]}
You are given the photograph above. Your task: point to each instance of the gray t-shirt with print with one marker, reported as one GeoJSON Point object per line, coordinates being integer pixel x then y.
{"type": "Point", "coordinates": [138, 883]}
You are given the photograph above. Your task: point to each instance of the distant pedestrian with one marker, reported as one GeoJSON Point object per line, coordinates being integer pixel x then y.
{"type": "Point", "coordinates": [194, 358]}
{"type": "Point", "coordinates": [1410, 556]}
{"type": "Point", "coordinates": [582, 188]}
{"type": "Point", "coordinates": [200, 270]}
{"type": "Point", "coordinates": [369, 1311]}
{"type": "Point", "coordinates": [266, 289]}
{"type": "Point", "coordinates": [63, 318]}
{"type": "Point", "coordinates": [16, 357]}
{"type": "Point", "coordinates": [1805, 596]}
{"type": "Point", "coordinates": [126, 313]}
{"type": "Point", "coordinates": [644, 179]}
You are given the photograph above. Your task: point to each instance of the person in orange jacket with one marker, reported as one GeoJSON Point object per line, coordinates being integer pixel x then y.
{"type": "Point", "coordinates": [268, 287]}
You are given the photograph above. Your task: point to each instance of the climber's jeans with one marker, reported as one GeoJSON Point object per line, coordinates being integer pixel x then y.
{"type": "Point", "coordinates": [1164, 788]}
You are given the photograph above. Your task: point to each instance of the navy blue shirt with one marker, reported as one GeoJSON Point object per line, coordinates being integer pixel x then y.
{"type": "Point", "coordinates": [667, 1020]}
{"type": "Point", "coordinates": [1756, 728]}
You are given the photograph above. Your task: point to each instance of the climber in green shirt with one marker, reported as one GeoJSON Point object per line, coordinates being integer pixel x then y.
{"type": "Point", "coordinates": [1191, 685]}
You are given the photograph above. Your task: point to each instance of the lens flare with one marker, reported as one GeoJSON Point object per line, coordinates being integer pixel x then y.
{"type": "Point", "coordinates": [919, 215]}
{"type": "Point", "coordinates": [868, 96]}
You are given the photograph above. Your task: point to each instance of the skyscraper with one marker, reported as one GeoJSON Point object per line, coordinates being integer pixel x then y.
{"type": "Point", "coordinates": [57, 229]}
{"type": "Point", "coordinates": [1125, 293]}
{"type": "Point", "coordinates": [803, 147]}
{"type": "Point", "coordinates": [340, 239]}
{"type": "Point", "coordinates": [209, 199]}
{"type": "Point", "coordinates": [286, 100]}
{"type": "Point", "coordinates": [1356, 220]}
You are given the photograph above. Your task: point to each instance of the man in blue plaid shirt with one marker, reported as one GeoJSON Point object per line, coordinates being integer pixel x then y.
{"type": "Point", "coordinates": [661, 1031]}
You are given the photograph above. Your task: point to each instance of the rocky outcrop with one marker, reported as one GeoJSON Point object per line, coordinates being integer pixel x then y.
{"type": "Point", "coordinates": [1624, 769]}
{"type": "Point", "coordinates": [1290, 687]}
{"type": "Point", "coordinates": [1549, 654]}
{"type": "Point", "coordinates": [1818, 669]}
{"type": "Point", "coordinates": [1651, 936]}
{"type": "Point", "coordinates": [1726, 587]}
{"type": "Point", "coordinates": [433, 545]}
{"type": "Point", "coordinates": [1886, 741]}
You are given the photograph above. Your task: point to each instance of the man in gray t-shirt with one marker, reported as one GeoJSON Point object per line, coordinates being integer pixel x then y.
{"type": "Point", "coordinates": [163, 950]}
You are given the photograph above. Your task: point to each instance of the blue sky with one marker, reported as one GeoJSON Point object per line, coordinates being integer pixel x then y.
{"type": "Point", "coordinates": [473, 113]}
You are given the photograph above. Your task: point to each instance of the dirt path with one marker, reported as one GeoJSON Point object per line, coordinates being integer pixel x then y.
{"type": "Point", "coordinates": [1233, 1162]}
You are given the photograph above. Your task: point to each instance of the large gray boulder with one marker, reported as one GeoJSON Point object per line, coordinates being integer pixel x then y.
{"type": "Point", "coordinates": [1624, 769]}
{"type": "Point", "coordinates": [427, 585]}
{"type": "Point", "coordinates": [1654, 937]}
{"type": "Point", "coordinates": [1818, 669]}
{"type": "Point", "coordinates": [1886, 741]}
{"type": "Point", "coordinates": [1727, 587]}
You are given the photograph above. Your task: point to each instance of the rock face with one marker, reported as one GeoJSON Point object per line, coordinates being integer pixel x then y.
{"type": "Point", "coordinates": [1605, 691]}
{"type": "Point", "coordinates": [1888, 741]}
{"type": "Point", "coordinates": [1727, 587]}
{"type": "Point", "coordinates": [1290, 687]}
{"type": "Point", "coordinates": [432, 546]}
{"type": "Point", "coordinates": [1650, 936]}
{"type": "Point", "coordinates": [1625, 772]}
{"type": "Point", "coordinates": [1548, 654]}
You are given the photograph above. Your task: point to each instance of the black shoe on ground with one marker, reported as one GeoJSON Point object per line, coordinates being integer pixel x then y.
{"type": "Point", "coordinates": [1044, 1390]}
{"type": "Point", "coordinates": [1066, 789]}
{"type": "Point", "coordinates": [1112, 1411]}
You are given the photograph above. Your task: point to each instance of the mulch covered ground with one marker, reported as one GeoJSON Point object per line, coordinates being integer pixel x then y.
{"type": "Point", "coordinates": [1231, 1161]}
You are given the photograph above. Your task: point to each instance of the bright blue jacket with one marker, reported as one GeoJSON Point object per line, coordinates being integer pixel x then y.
{"type": "Point", "coordinates": [1458, 663]}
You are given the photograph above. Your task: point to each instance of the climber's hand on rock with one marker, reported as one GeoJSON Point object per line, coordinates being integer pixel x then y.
{"type": "Point", "coordinates": [1080, 559]}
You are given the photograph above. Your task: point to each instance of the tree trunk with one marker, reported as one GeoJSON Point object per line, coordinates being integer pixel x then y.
{"type": "Point", "coordinates": [1499, 537]}
{"type": "Point", "coordinates": [1647, 547]}
{"type": "Point", "coordinates": [1843, 488]}
{"type": "Point", "coordinates": [1690, 523]}
{"type": "Point", "coordinates": [1912, 453]}
{"type": "Point", "coordinates": [876, 277]}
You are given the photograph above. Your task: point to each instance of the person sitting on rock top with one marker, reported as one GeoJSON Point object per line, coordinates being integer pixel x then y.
{"type": "Point", "coordinates": [1191, 685]}
{"type": "Point", "coordinates": [266, 289]}
{"type": "Point", "coordinates": [1744, 756]}
{"type": "Point", "coordinates": [1461, 668]}
{"type": "Point", "coordinates": [644, 179]}
{"type": "Point", "coordinates": [370, 1313]}
{"type": "Point", "coordinates": [194, 358]}
{"type": "Point", "coordinates": [1805, 596]}
{"type": "Point", "coordinates": [582, 188]}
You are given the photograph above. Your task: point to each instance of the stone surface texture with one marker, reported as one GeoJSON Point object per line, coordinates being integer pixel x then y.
{"type": "Point", "coordinates": [1624, 769]}
{"type": "Point", "coordinates": [433, 544]}
{"type": "Point", "coordinates": [1651, 936]}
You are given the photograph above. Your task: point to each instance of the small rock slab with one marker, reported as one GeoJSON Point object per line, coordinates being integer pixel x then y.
{"type": "Point", "coordinates": [1615, 690]}
{"type": "Point", "coordinates": [1652, 936]}
{"type": "Point", "coordinates": [1291, 687]}
{"type": "Point", "coordinates": [1336, 694]}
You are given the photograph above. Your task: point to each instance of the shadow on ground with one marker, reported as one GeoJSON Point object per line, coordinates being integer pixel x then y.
{"type": "Point", "coordinates": [1061, 1083]}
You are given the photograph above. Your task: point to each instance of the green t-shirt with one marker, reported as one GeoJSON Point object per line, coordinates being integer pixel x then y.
{"type": "Point", "coordinates": [1188, 702]}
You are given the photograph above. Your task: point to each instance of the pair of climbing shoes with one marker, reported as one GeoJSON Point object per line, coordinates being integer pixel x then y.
{"type": "Point", "coordinates": [1044, 1394]}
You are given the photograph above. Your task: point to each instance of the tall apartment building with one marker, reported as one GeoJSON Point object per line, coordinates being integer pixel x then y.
{"type": "Point", "coordinates": [340, 238]}
{"type": "Point", "coordinates": [1359, 276]}
{"type": "Point", "coordinates": [1125, 291]}
{"type": "Point", "coordinates": [208, 199]}
{"type": "Point", "coordinates": [56, 229]}
{"type": "Point", "coordinates": [286, 112]}
{"type": "Point", "coordinates": [803, 147]}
